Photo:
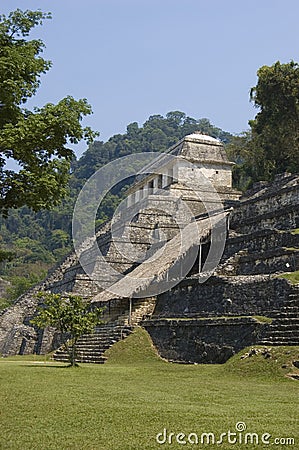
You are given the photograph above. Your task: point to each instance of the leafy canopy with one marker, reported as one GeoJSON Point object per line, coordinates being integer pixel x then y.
{"type": "Point", "coordinates": [276, 126]}
{"type": "Point", "coordinates": [272, 144]}
{"type": "Point", "coordinates": [36, 140]}
{"type": "Point", "coordinates": [70, 315]}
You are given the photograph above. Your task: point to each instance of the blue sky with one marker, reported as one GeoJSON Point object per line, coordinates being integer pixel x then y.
{"type": "Point", "coordinates": [135, 58]}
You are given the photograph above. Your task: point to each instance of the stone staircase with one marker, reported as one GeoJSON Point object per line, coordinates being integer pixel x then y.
{"type": "Point", "coordinates": [248, 261]}
{"type": "Point", "coordinates": [91, 347]}
{"type": "Point", "coordinates": [284, 329]}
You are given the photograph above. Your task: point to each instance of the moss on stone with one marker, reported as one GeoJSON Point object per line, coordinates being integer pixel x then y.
{"type": "Point", "coordinates": [293, 277]}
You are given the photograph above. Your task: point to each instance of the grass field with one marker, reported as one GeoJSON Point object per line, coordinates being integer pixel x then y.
{"type": "Point", "coordinates": [125, 403]}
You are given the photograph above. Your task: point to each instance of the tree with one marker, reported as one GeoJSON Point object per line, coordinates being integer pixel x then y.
{"type": "Point", "coordinates": [275, 129]}
{"type": "Point", "coordinates": [21, 284]}
{"type": "Point", "coordinates": [70, 315]}
{"type": "Point", "coordinates": [36, 140]}
{"type": "Point", "coordinates": [251, 164]}
{"type": "Point", "coordinates": [271, 146]}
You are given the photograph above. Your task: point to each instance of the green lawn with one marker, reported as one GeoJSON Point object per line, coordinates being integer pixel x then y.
{"type": "Point", "coordinates": [125, 403]}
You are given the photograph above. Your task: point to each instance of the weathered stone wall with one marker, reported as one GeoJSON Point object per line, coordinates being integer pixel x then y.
{"type": "Point", "coordinates": [271, 261]}
{"type": "Point", "coordinates": [202, 341]}
{"type": "Point", "coordinates": [218, 296]}
{"type": "Point", "coordinates": [15, 330]}
{"type": "Point", "coordinates": [219, 174]}
{"type": "Point", "coordinates": [260, 241]}
{"type": "Point", "coordinates": [274, 205]}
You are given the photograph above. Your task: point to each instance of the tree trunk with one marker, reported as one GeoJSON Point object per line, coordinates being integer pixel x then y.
{"type": "Point", "coordinates": [73, 354]}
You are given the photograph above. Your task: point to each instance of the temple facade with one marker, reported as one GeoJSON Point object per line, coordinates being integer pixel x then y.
{"type": "Point", "coordinates": [196, 163]}
{"type": "Point", "coordinates": [190, 321]}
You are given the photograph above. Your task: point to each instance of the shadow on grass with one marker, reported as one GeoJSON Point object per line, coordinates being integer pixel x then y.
{"type": "Point", "coordinates": [50, 366]}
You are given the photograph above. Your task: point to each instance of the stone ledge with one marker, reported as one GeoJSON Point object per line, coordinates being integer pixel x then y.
{"type": "Point", "coordinates": [206, 341]}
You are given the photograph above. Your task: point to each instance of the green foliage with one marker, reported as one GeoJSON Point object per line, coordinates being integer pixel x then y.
{"type": "Point", "coordinates": [70, 315]}
{"type": "Point", "coordinates": [59, 239]}
{"type": "Point", "coordinates": [247, 166]}
{"type": "Point", "coordinates": [21, 65]}
{"type": "Point", "coordinates": [275, 127]}
{"type": "Point", "coordinates": [21, 284]}
{"type": "Point", "coordinates": [32, 251]}
{"type": "Point", "coordinates": [272, 144]}
{"type": "Point", "coordinates": [34, 241]}
{"type": "Point", "coordinates": [36, 140]}
{"type": "Point", "coordinates": [6, 255]}
{"type": "Point", "coordinates": [27, 253]}
{"type": "Point", "coordinates": [4, 303]}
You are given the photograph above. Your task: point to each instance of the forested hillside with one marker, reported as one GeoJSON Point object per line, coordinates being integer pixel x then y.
{"type": "Point", "coordinates": [36, 241]}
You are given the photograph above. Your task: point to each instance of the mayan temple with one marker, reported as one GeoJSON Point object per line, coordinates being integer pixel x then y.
{"type": "Point", "coordinates": [195, 263]}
